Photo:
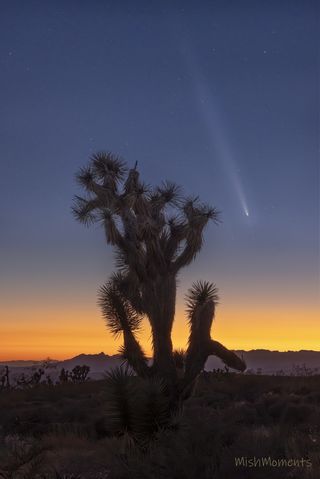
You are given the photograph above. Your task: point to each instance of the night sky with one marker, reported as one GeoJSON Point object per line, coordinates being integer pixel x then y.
{"type": "Point", "coordinates": [221, 97]}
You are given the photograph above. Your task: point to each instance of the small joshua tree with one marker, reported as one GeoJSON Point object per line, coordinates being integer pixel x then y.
{"type": "Point", "coordinates": [4, 378]}
{"type": "Point", "coordinates": [155, 232]}
{"type": "Point", "coordinates": [63, 376]}
{"type": "Point", "coordinates": [79, 374]}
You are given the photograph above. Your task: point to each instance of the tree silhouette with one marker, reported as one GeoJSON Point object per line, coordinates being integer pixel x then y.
{"type": "Point", "coordinates": [155, 232]}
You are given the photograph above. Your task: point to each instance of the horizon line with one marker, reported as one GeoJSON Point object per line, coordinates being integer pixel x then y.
{"type": "Point", "coordinates": [118, 354]}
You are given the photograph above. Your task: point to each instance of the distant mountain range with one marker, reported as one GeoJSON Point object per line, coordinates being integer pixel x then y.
{"type": "Point", "coordinates": [273, 362]}
{"type": "Point", "coordinates": [258, 360]}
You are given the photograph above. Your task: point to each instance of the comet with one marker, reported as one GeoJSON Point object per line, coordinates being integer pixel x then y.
{"type": "Point", "coordinates": [208, 105]}
{"type": "Point", "coordinates": [219, 141]}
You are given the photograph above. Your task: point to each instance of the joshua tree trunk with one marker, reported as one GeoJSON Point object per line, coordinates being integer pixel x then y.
{"type": "Point", "coordinates": [161, 300]}
{"type": "Point", "coordinates": [155, 233]}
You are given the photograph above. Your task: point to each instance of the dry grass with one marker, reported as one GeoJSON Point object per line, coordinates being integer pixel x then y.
{"type": "Point", "coordinates": [55, 432]}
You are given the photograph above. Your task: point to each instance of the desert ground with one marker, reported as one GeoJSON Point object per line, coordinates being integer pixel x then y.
{"type": "Point", "coordinates": [61, 431]}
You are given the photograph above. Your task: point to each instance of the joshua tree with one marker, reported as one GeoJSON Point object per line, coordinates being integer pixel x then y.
{"type": "Point", "coordinates": [155, 232]}
{"type": "Point", "coordinates": [79, 374]}
{"type": "Point", "coordinates": [4, 379]}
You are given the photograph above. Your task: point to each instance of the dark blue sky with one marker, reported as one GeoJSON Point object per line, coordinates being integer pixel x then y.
{"type": "Point", "coordinates": [219, 96]}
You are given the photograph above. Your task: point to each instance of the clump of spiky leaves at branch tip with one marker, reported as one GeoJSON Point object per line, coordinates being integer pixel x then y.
{"type": "Point", "coordinates": [136, 407]}
{"type": "Point", "coordinates": [155, 231]}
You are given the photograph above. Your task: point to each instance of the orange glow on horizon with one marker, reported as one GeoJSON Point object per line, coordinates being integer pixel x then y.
{"type": "Point", "coordinates": [27, 336]}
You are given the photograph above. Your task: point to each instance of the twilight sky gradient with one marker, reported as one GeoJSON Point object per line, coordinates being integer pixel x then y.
{"type": "Point", "coordinates": [221, 97]}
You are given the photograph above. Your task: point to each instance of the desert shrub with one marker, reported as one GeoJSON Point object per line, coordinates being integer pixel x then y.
{"type": "Point", "coordinates": [303, 391]}
{"type": "Point", "coordinates": [193, 451]}
{"type": "Point", "coordinates": [244, 413]}
{"type": "Point", "coordinates": [296, 413]}
{"type": "Point", "coordinates": [313, 397]}
{"type": "Point", "coordinates": [216, 424]}
{"type": "Point", "coordinates": [73, 411]}
{"type": "Point", "coordinates": [276, 408]}
{"type": "Point", "coordinates": [21, 458]}
{"type": "Point", "coordinates": [218, 400]}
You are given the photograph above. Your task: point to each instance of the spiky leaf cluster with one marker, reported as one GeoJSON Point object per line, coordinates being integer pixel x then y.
{"type": "Point", "coordinates": [199, 294]}
{"type": "Point", "coordinates": [135, 406]}
{"type": "Point", "coordinates": [117, 310]}
{"type": "Point", "coordinates": [148, 226]}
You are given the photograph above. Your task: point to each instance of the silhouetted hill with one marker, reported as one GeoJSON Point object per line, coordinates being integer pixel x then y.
{"type": "Point", "coordinates": [98, 363]}
{"type": "Point", "coordinates": [258, 360]}
{"type": "Point", "coordinates": [272, 362]}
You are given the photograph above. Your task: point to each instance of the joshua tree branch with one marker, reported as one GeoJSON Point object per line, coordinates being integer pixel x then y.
{"type": "Point", "coordinates": [193, 244]}
{"type": "Point", "coordinates": [196, 360]}
{"type": "Point", "coordinates": [134, 354]}
{"type": "Point", "coordinates": [201, 302]}
{"type": "Point", "coordinates": [229, 358]}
